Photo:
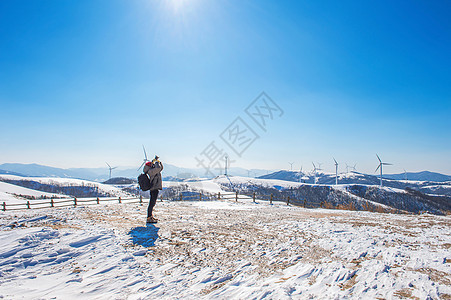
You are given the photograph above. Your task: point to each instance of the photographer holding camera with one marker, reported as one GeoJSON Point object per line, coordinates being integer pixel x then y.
{"type": "Point", "coordinates": [153, 170]}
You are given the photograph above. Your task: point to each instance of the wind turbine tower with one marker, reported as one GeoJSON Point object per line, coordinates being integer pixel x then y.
{"type": "Point", "coordinates": [300, 175]}
{"type": "Point", "coordinates": [336, 172]}
{"type": "Point", "coordinates": [291, 165]}
{"type": "Point", "coordinates": [380, 166]}
{"type": "Point", "coordinates": [226, 164]}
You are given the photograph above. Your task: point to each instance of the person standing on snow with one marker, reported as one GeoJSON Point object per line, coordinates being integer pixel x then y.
{"type": "Point", "coordinates": [153, 170]}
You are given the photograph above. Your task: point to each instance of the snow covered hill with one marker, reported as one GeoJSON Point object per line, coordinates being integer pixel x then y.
{"type": "Point", "coordinates": [356, 196]}
{"type": "Point", "coordinates": [223, 250]}
{"type": "Point", "coordinates": [14, 194]}
{"type": "Point", "coordinates": [352, 177]}
{"type": "Point", "coordinates": [64, 186]}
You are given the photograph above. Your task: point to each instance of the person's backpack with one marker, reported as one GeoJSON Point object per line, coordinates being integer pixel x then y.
{"type": "Point", "coordinates": [144, 182]}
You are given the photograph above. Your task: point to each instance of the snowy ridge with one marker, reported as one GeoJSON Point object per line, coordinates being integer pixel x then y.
{"type": "Point", "coordinates": [429, 187]}
{"type": "Point", "coordinates": [64, 186]}
{"type": "Point", "coordinates": [342, 194]}
{"type": "Point", "coordinates": [13, 194]}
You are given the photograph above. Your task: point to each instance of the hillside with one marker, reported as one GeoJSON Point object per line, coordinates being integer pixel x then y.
{"type": "Point", "coordinates": [428, 187]}
{"type": "Point", "coordinates": [355, 196]}
{"type": "Point", "coordinates": [64, 186]}
{"type": "Point", "coordinates": [13, 194]}
{"type": "Point", "coordinates": [120, 180]}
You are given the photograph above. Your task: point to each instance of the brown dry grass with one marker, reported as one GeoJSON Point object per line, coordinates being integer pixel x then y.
{"type": "Point", "coordinates": [436, 275]}
{"type": "Point", "coordinates": [349, 283]}
{"type": "Point", "coordinates": [349, 206]}
{"type": "Point", "coordinates": [405, 294]}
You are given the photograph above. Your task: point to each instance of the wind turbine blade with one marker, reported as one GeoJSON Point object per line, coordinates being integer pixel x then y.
{"type": "Point", "coordinates": [378, 158]}
{"type": "Point", "coordinates": [108, 165]}
{"type": "Point", "coordinates": [313, 165]}
{"type": "Point", "coordinates": [145, 154]}
{"type": "Point", "coordinates": [335, 161]}
{"type": "Point", "coordinates": [378, 167]}
{"type": "Point", "coordinates": [387, 164]}
{"type": "Point", "coordinates": [141, 166]}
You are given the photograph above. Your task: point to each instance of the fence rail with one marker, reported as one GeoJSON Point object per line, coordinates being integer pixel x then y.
{"type": "Point", "coordinates": [182, 196]}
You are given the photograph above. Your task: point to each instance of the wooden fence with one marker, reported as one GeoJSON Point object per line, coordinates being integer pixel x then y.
{"type": "Point", "coordinates": [182, 196]}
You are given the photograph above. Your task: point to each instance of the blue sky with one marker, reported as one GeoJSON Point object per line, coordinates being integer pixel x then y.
{"type": "Point", "coordinates": [84, 82]}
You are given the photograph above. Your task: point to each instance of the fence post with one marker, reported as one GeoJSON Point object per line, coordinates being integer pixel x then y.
{"type": "Point", "coordinates": [120, 200]}
{"type": "Point", "coordinates": [28, 204]}
{"type": "Point", "coordinates": [270, 199]}
{"type": "Point", "coordinates": [305, 202]}
{"type": "Point", "coordinates": [236, 196]}
{"type": "Point", "coordinates": [4, 206]}
{"type": "Point", "coordinates": [140, 199]}
{"type": "Point", "coordinates": [98, 200]}
{"type": "Point", "coordinates": [200, 196]}
{"type": "Point", "coordinates": [75, 202]}
{"type": "Point", "coordinates": [51, 202]}
{"type": "Point", "coordinates": [219, 195]}
{"type": "Point", "coordinates": [181, 197]}
{"type": "Point", "coordinates": [253, 197]}
{"type": "Point", "coordinates": [288, 200]}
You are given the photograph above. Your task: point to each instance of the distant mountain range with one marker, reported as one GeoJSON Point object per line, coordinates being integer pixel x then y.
{"type": "Point", "coordinates": [420, 176]}
{"type": "Point", "coordinates": [102, 174]}
{"type": "Point", "coordinates": [10, 173]}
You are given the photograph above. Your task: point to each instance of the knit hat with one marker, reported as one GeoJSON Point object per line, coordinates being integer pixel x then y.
{"type": "Point", "coordinates": [149, 164]}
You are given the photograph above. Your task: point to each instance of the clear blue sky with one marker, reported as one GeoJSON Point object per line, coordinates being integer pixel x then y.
{"type": "Point", "coordinates": [88, 81]}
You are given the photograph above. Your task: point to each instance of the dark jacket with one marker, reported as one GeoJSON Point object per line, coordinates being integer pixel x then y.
{"type": "Point", "coordinates": [154, 174]}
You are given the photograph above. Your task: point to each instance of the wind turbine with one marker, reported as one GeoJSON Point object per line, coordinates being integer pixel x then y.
{"type": "Point", "coordinates": [380, 166]}
{"type": "Point", "coordinates": [145, 158]}
{"type": "Point", "coordinates": [405, 174]}
{"type": "Point", "coordinates": [291, 165]}
{"type": "Point", "coordinates": [314, 172]}
{"type": "Point", "coordinates": [226, 158]}
{"type": "Point", "coordinates": [300, 174]}
{"type": "Point", "coordinates": [336, 171]}
{"type": "Point", "coordinates": [110, 168]}
{"type": "Point", "coordinates": [319, 167]}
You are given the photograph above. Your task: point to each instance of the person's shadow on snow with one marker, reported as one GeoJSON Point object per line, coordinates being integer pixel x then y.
{"type": "Point", "coordinates": [144, 236]}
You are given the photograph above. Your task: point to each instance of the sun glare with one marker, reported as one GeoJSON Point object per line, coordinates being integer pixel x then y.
{"type": "Point", "coordinates": [177, 5]}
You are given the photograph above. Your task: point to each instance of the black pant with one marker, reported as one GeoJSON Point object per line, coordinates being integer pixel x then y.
{"type": "Point", "coordinates": [152, 202]}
